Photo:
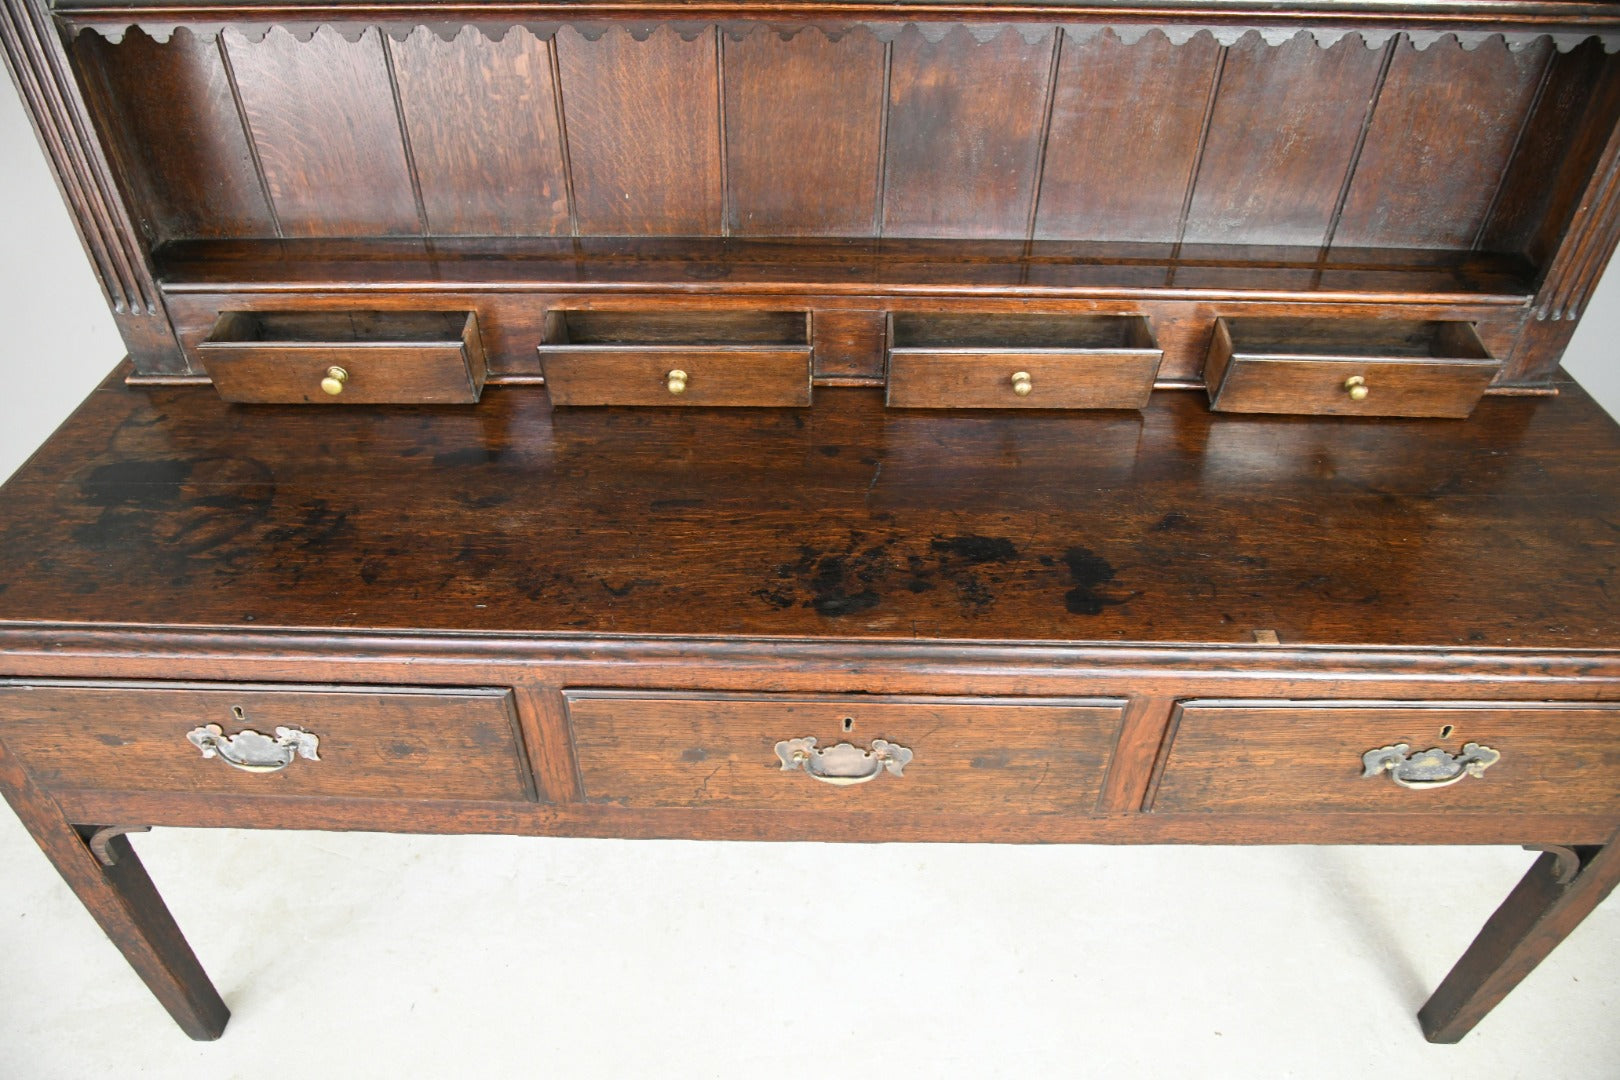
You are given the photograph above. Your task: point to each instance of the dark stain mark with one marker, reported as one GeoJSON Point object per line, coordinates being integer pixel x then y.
{"type": "Point", "coordinates": [835, 594]}
{"type": "Point", "coordinates": [998, 760]}
{"type": "Point", "coordinates": [694, 754]}
{"type": "Point", "coordinates": [176, 508]}
{"type": "Point", "coordinates": [473, 455]}
{"type": "Point", "coordinates": [1089, 573]}
{"type": "Point", "coordinates": [1174, 521]}
{"type": "Point", "coordinates": [110, 740]}
{"type": "Point", "coordinates": [675, 504]}
{"type": "Point", "coordinates": [371, 572]}
{"type": "Point", "coordinates": [147, 484]}
{"type": "Point", "coordinates": [830, 451]}
{"type": "Point", "coordinates": [1047, 560]}
{"type": "Point", "coordinates": [775, 597]}
{"type": "Point", "coordinates": [975, 549]}
{"type": "Point", "coordinates": [410, 451]}
{"type": "Point", "coordinates": [402, 749]}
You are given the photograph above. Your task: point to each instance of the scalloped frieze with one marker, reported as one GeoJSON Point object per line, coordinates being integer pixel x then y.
{"type": "Point", "coordinates": [933, 32]}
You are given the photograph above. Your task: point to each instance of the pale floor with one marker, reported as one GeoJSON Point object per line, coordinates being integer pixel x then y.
{"type": "Point", "coordinates": [354, 956]}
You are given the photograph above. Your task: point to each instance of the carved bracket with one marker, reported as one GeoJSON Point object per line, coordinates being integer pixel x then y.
{"type": "Point", "coordinates": [99, 841]}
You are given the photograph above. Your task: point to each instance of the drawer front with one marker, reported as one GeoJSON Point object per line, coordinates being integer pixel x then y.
{"type": "Point", "coordinates": [677, 375]}
{"type": "Point", "coordinates": [338, 358]}
{"type": "Point", "coordinates": [996, 756]}
{"type": "Point", "coordinates": [1299, 757]}
{"type": "Point", "coordinates": [1436, 388]}
{"type": "Point", "coordinates": [1347, 367]}
{"type": "Point", "coordinates": [992, 379]}
{"type": "Point", "coordinates": [370, 742]}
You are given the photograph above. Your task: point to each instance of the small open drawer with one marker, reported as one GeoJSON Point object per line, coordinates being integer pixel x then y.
{"type": "Point", "coordinates": [759, 358]}
{"type": "Point", "coordinates": [1021, 361]}
{"type": "Point", "coordinates": [1347, 367]}
{"type": "Point", "coordinates": [346, 357]}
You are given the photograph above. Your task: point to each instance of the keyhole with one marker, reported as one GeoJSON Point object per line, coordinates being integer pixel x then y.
{"type": "Point", "coordinates": [1445, 732]}
{"type": "Point", "coordinates": [238, 712]}
{"type": "Point", "coordinates": [849, 723]}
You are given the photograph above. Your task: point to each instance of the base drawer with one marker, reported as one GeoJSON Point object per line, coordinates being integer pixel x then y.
{"type": "Point", "coordinates": [1347, 367]}
{"type": "Point", "coordinates": [943, 755]}
{"type": "Point", "coordinates": [1267, 757]}
{"type": "Point", "coordinates": [346, 357]}
{"type": "Point", "coordinates": [368, 742]}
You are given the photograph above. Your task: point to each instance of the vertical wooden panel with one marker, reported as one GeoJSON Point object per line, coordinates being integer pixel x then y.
{"type": "Point", "coordinates": [1285, 125]}
{"type": "Point", "coordinates": [965, 128]}
{"type": "Point", "coordinates": [643, 128]}
{"type": "Point", "coordinates": [1561, 144]}
{"type": "Point", "coordinates": [323, 118]}
{"type": "Point", "coordinates": [482, 119]}
{"type": "Point", "coordinates": [802, 124]}
{"type": "Point", "coordinates": [1441, 137]}
{"type": "Point", "coordinates": [1125, 127]}
{"type": "Point", "coordinates": [170, 113]}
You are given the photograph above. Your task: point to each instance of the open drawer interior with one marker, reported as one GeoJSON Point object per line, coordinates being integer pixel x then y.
{"type": "Point", "coordinates": [1365, 366]}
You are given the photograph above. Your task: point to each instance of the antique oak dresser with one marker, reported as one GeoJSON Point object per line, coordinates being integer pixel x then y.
{"type": "Point", "coordinates": [1017, 421]}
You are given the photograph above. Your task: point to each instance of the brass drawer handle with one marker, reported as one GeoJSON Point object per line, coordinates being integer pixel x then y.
{"type": "Point", "coordinates": [676, 381]}
{"type": "Point", "coordinates": [1356, 386]}
{"type": "Point", "coordinates": [255, 753]}
{"type": "Point", "coordinates": [843, 764]}
{"type": "Point", "coordinates": [1022, 384]}
{"type": "Point", "coordinates": [1433, 768]}
{"type": "Point", "coordinates": [336, 379]}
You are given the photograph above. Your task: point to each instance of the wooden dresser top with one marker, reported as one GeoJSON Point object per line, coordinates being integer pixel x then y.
{"type": "Point", "coordinates": [163, 506]}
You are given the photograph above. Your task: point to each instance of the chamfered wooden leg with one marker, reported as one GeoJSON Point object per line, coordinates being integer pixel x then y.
{"type": "Point", "coordinates": [126, 904]}
{"type": "Point", "coordinates": [1538, 914]}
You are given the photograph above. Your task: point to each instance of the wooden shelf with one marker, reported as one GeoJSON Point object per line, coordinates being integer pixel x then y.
{"type": "Point", "coordinates": [857, 267]}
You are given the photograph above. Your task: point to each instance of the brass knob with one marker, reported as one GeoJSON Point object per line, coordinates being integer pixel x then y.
{"type": "Point", "coordinates": [1022, 383]}
{"type": "Point", "coordinates": [336, 377]}
{"type": "Point", "coordinates": [676, 381]}
{"type": "Point", "coordinates": [1356, 387]}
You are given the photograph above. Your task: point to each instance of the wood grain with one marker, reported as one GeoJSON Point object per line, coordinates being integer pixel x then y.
{"type": "Point", "coordinates": [374, 743]}
{"type": "Point", "coordinates": [643, 132]}
{"type": "Point", "coordinates": [322, 117]}
{"type": "Point", "coordinates": [803, 126]}
{"type": "Point", "coordinates": [970, 756]}
{"type": "Point", "coordinates": [848, 520]}
{"type": "Point", "coordinates": [1443, 134]}
{"type": "Point", "coordinates": [965, 127]}
{"type": "Point", "coordinates": [482, 120]}
{"type": "Point", "coordinates": [1306, 757]}
{"type": "Point", "coordinates": [1125, 129]}
{"type": "Point", "coordinates": [1285, 125]}
{"type": "Point", "coordinates": [183, 139]}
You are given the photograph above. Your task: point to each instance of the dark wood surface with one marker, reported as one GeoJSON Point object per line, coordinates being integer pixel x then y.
{"type": "Point", "coordinates": [1269, 757]}
{"type": "Point", "coordinates": [376, 743]}
{"type": "Point", "coordinates": [166, 506]}
{"type": "Point", "coordinates": [987, 756]}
